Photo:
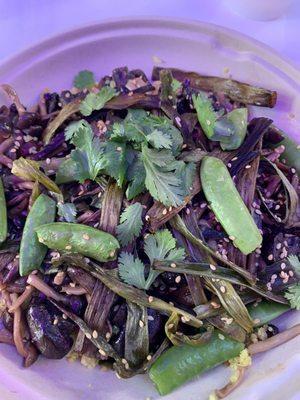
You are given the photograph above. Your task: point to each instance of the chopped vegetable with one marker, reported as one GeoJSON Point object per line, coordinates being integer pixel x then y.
{"type": "Point", "coordinates": [32, 252]}
{"type": "Point", "coordinates": [78, 238]}
{"type": "Point", "coordinates": [84, 79]}
{"type": "Point", "coordinates": [181, 364]}
{"type": "Point", "coordinates": [96, 101]}
{"type": "Point", "coordinates": [228, 206]}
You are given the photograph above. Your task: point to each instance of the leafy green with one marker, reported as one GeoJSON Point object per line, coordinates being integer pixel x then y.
{"type": "Point", "coordinates": [176, 85]}
{"type": "Point", "coordinates": [131, 223]}
{"type": "Point", "coordinates": [295, 263]}
{"type": "Point", "coordinates": [89, 151]}
{"type": "Point", "coordinates": [84, 79]}
{"type": "Point", "coordinates": [142, 127]}
{"type": "Point", "coordinates": [158, 246]}
{"type": "Point", "coordinates": [96, 101]}
{"type": "Point", "coordinates": [67, 211]}
{"type": "Point", "coordinates": [114, 161]}
{"type": "Point", "coordinates": [162, 177]}
{"type": "Point", "coordinates": [72, 128]}
{"type": "Point", "coordinates": [293, 296]}
{"type": "Point", "coordinates": [136, 176]}
{"type": "Point", "coordinates": [131, 270]}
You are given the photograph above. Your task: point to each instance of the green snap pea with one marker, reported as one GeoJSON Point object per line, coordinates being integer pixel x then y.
{"type": "Point", "coordinates": [265, 311]}
{"type": "Point", "coordinates": [3, 214]}
{"type": "Point", "coordinates": [291, 153]}
{"type": "Point", "coordinates": [79, 238]}
{"type": "Point", "coordinates": [180, 364]}
{"type": "Point", "coordinates": [228, 205]}
{"type": "Point", "coordinates": [32, 252]}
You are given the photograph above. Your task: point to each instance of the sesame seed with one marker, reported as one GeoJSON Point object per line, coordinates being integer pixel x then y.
{"type": "Point", "coordinates": [215, 305]}
{"type": "Point", "coordinates": [277, 207]}
{"type": "Point", "coordinates": [149, 357]}
{"type": "Point", "coordinates": [293, 171]}
{"type": "Point", "coordinates": [278, 218]}
{"type": "Point", "coordinates": [170, 326]}
{"type": "Point", "coordinates": [173, 265]}
{"type": "Point", "coordinates": [208, 122]}
{"type": "Point", "coordinates": [282, 265]}
{"type": "Point", "coordinates": [95, 334]}
{"type": "Point", "coordinates": [258, 251]}
{"type": "Point", "coordinates": [229, 165]}
{"type": "Point", "coordinates": [283, 274]}
{"type": "Point", "coordinates": [72, 284]}
{"type": "Point", "coordinates": [273, 277]}
{"type": "Point", "coordinates": [222, 337]}
{"type": "Point", "coordinates": [64, 316]}
{"type": "Point", "coordinates": [165, 211]}
{"type": "Point", "coordinates": [232, 237]}
{"type": "Point", "coordinates": [178, 279]}
{"type": "Point", "coordinates": [147, 218]}
{"type": "Point", "coordinates": [170, 208]}
{"type": "Point", "coordinates": [269, 287]}
{"type": "Point", "coordinates": [88, 335]}
{"type": "Point", "coordinates": [86, 236]}
{"type": "Point", "coordinates": [141, 323]}
{"type": "Point", "coordinates": [291, 273]}
{"type": "Point", "coordinates": [278, 246]}
{"type": "Point", "coordinates": [256, 321]}
{"type": "Point", "coordinates": [68, 247]}
{"type": "Point", "coordinates": [248, 166]}
{"type": "Point", "coordinates": [212, 267]}
{"type": "Point", "coordinates": [102, 352]}
{"type": "Point", "coordinates": [223, 289]}
{"type": "Point", "coordinates": [286, 243]}
{"type": "Point", "coordinates": [107, 335]}
{"type": "Point", "coordinates": [55, 322]}
{"type": "Point", "coordinates": [119, 148]}
{"type": "Point", "coordinates": [150, 299]}
{"type": "Point", "coordinates": [111, 254]}
{"type": "Point", "coordinates": [270, 257]}
{"type": "Point", "coordinates": [258, 212]}
{"type": "Point", "coordinates": [124, 361]}
{"type": "Point", "coordinates": [187, 211]}
{"type": "Point", "coordinates": [150, 318]}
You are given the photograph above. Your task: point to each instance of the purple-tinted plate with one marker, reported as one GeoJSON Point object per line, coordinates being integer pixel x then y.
{"type": "Point", "coordinates": [201, 47]}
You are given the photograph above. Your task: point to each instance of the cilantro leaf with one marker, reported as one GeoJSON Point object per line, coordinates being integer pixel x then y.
{"type": "Point", "coordinates": [72, 128]}
{"type": "Point", "coordinates": [162, 180]}
{"type": "Point", "coordinates": [131, 223]}
{"type": "Point", "coordinates": [176, 85]}
{"type": "Point", "coordinates": [162, 246]}
{"type": "Point", "coordinates": [295, 263]}
{"type": "Point", "coordinates": [139, 125]}
{"type": "Point", "coordinates": [159, 140]}
{"type": "Point", "coordinates": [136, 176]}
{"type": "Point", "coordinates": [131, 270]}
{"type": "Point", "coordinates": [96, 101]}
{"type": "Point", "coordinates": [114, 161]}
{"type": "Point", "coordinates": [84, 79]}
{"type": "Point", "coordinates": [293, 296]}
{"type": "Point", "coordinates": [67, 211]}
{"type": "Point", "coordinates": [187, 174]}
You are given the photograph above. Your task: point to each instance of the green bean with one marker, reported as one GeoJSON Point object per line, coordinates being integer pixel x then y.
{"type": "Point", "coordinates": [228, 205]}
{"type": "Point", "coordinates": [79, 238]}
{"type": "Point", "coordinates": [180, 364]}
{"type": "Point", "coordinates": [32, 252]}
{"type": "Point", "coordinates": [3, 214]}
{"type": "Point", "coordinates": [265, 311]}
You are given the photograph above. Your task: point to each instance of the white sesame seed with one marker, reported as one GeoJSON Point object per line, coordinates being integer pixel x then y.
{"type": "Point", "coordinates": [203, 205]}
{"type": "Point", "coordinates": [248, 166]}
{"type": "Point", "coordinates": [88, 335]}
{"type": "Point", "coordinates": [229, 165]}
{"type": "Point", "coordinates": [141, 323]}
{"type": "Point", "coordinates": [178, 279]}
{"type": "Point", "coordinates": [64, 316]}
{"type": "Point", "coordinates": [150, 299]}
{"type": "Point", "coordinates": [256, 321]}
{"type": "Point", "coordinates": [165, 211]}
{"type": "Point", "coordinates": [117, 375]}
{"type": "Point", "coordinates": [258, 251]}
{"type": "Point", "coordinates": [86, 236]}
{"type": "Point", "coordinates": [124, 361]}
{"type": "Point", "coordinates": [95, 334]}
{"type": "Point", "coordinates": [215, 305]}
{"type": "Point", "coordinates": [293, 171]}
{"type": "Point", "coordinates": [187, 211]}
{"type": "Point", "coordinates": [173, 265]}
{"type": "Point", "coordinates": [107, 335]}
{"type": "Point", "coordinates": [282, 265]}
{"type": "Point", "coordinates": [111, 254]}
{"type": "Point", "coordinates": [150, 318]}
{"type": "Point", "coordinates": [102, 352]}
{"type": "Point", "coordinates": [232, 237]}
{"type": "Point", "coordinates": [170, 208]}
{"type": "Point", "coordinates": [72, 284]}
{"type": "Point", "coordinates": [147, 218]}
{"type": "Point", "coordinates": [277, 207]}
{"type": "Point", "coordinates": [222, 337]}
{"type": "Point", "coordinates": [119, 148]}
{"type": "Point", "coordinates": [212, 267]}
{"type": "Point", "coordinates": [149, 357]}
{"type": "Point", "coordinates": [274, 276]}
{"type": "Point", "coordinates": [170, 326]}
{"type": "Point", "coordinates": [223, 289]}
{"type": "Point", "coordinates": [286, 243]}
{"type": "Point", "coordinates": [68, 247]}
{"type": "Point", "coordinates": [258, 212]}
{"type": "Point", "coordinates": [55, 322]}
{"type": "Point", "coordinates": [278, 246]}
{"type": "Point", "coordinates": [208, 122]}
{"type": "Point", "coordinates": [270, 257]}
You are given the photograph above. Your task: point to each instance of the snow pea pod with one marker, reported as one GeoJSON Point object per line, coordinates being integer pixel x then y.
{"type": "Point", "coordinates": [180, 364]}
{"type": "Point", "coordinates": [265, 311]}
{"type": "Point", "coordinates": [291, 153]}
{"type": "Point", "coordinates": [3, 214]}
{"type": "Point", "coordinates": [228, 205]}
{"type": "Point", "coordinates": [79, 238]}
{"type": "Point", "coordinates": [32, 252]}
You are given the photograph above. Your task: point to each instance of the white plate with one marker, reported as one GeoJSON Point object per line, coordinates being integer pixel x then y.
{"type": "Point", "coordinates": [205, 48]}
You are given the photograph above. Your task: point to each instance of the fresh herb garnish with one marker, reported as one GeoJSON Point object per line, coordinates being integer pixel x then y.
{"type": "Point", "coordinates": [130, 223]}
{"type": "Point", "coordinates": [84, 80]}
{"type": "Point", "coordinates": [96, 101]}
{"type": "Point", "coordinates": [293, 296]}
{"type": "Point", "coordinates": [158, 246]}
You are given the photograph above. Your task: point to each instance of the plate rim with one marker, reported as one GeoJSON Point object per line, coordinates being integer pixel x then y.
{"type": "Point", "coordinates": [55, 41]}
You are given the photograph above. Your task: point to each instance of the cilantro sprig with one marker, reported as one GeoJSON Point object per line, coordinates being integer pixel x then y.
{"type": "Point", "coordinates": [159, 246]}
{"type": "Point", "coordinates": [84, 80]}
{"type": "Point", "coordinates": [96, 101]}
{"type": "Point", "coordinates": [130, 223]}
